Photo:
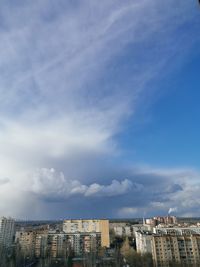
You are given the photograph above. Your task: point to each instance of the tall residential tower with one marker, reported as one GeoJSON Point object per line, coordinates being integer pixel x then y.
{"type": "Point", "coordinates": [7, 231]}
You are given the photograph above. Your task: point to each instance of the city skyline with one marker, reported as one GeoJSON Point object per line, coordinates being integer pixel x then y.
{"type": "Point", "coordinates": [99, 108]}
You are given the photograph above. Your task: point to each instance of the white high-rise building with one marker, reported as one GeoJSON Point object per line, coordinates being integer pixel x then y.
{"type": "Point", "coordinates": [7, 231]}
{"type": "Point", "coordinates": [143, 242]}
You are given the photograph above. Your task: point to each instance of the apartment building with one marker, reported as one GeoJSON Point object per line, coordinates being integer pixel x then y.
{"type": "Point", "coordinates": [118, 230]}
{"type": "Point", "coordinates": [89, 226]}
{"type": "Point", "coordinates": [139, 227]}
{"type": "Point", "coordinates": [56, 244]}
{"type": "Point", "coordinates": [143, 241]}
{"type": "Point", "coordinates": [177, 230]}
{"type": "Point", "coordinates": [122, 230]}
{"type": "Point", "coordinates": [175, 245]}
{"type": "Point", "coordinates": [7, 231]}
{"type": "Point", "coordinates": [82, 243]}
{"type": "Point", "coordinates": [184, 249]}
{"type": "Point", "coordinates": [25, 240]}
{"type": "Point", "coordinates": [167, 220]}
{"type": "Point", "coordinates": [41, 245]}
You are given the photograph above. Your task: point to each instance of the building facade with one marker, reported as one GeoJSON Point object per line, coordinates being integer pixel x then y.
{"type": "Point", "coordinates": [7, 231]}
{"type": "Point", "coordinates": [174, 245]}
{"type": "Point", "coordinates": [170, 248]}
{"type": "Point", "coordinates": [25, 241]}
{"type": "Point", "coordinates": [56, 244]}
{"type": "Point", "coordinates": [82, 243]}
{"type": "Point", "coordinates": [41, 245]}
{"type": "Point", "coordinates": [167, 220]}
{"type": "Point", "coordinates": [89, 226]}
{"type": "Point", "coordinates": [143, 242]}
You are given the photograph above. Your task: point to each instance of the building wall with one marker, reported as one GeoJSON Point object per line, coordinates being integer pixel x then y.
{"type": "Point", "coordinates": [105, 236]}
{"type": "Point", "coordinates": [177, 230]}
{"type": "Point", "coordinates": [26, 242]}
{"type": "Point", "coordinates": [58, 245]}
{"type": "Point", "coordinates": [167, 220]}
{"type": "Point", "coordinates": [123, 230]}
{"type": "Point", "coordinates": [82, 243]}
{"type": "Point", "coordinates": [89, 226]}
{"type": "Point", "coordinates": [183, 249]}
{"type": "Point", "coordinates": [7, 231]}
{"type": "Point", "coordinates": [172, 247]}
{"type": "Point", "coordinates": [118, 230]}
{"type": "Point", "coordinates": [55, 245]}
{"type": "Point", "coordinates": [143, 242]}
{"type": "Point", "coordinates": [41, 245]}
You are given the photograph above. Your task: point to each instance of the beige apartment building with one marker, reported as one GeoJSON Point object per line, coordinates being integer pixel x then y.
{"type": "Point", "coordinates": [26, 242]}
{"type": "Point", "coordinates": [55, 244]}
{"type": "Point", "coordinates": [184, 249]}
{"type": "Point", "coordinates": [89, 226]}
{"type": "Point", "coordinates": [173, 247]}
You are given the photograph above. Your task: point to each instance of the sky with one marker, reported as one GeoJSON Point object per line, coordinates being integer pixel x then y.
{"type": "Point", "coordinates": [99, 108]}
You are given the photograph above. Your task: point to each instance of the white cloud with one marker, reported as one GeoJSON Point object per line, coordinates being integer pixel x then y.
{"type": "Point", "coordinates": [52, 184]}
{"type": "Point", "coordinates": [114, 189]}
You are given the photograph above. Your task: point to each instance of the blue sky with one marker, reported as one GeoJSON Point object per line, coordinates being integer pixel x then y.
{"type": "Point", "coordinates": [167, 133]}
{"type": "Point", "coordinates": [99, 108]}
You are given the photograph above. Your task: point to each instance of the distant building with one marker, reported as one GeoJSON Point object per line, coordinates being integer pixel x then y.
{"type": "Point", "coordinates": [127, 231]}
{"type": "Point", "coordinates": [7, 231]}
{"type": "Point", "coordinates": [190, 230]}
{"type": "Point", "coordinates": [167, 220]}
{"type": "Point", "coordinates": [89, 226]}
{"type": "Point", "coordinates": [118, 230]}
